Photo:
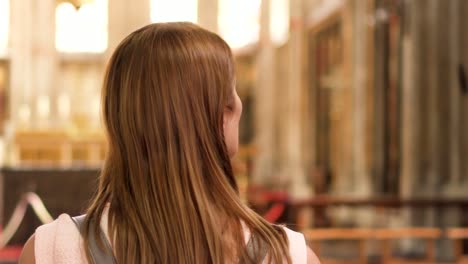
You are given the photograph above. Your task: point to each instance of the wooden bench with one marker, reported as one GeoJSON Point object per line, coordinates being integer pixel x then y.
{"type": "Point", "coordinates": [427, 234]}
{"type": "Point", "coordinates": [361, 235]}
{"type": "Point", "coordinates": [458, 235]}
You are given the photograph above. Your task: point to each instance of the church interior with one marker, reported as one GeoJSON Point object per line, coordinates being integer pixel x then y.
{"type": "Point", "coordinates": [354, 129]}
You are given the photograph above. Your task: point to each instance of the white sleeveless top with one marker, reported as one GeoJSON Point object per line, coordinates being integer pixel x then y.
{"type": "Point", "coordinates": [60, 242]}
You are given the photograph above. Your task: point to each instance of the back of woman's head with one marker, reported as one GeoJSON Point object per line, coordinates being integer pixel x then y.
{"type": "Point", "coordinates": [167, 174]}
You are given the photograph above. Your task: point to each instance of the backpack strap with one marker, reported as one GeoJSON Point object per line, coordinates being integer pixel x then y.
{"type": "Point", "coordinates": [98, 255]}
{"type": "Point", "coordinates": [256, 247]}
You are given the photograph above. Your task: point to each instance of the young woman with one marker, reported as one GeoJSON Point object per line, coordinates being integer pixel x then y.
{"type": "Point", "coordinates": [167, 193]}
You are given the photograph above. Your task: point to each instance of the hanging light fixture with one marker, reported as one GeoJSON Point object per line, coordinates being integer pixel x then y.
{"type": "Point", "coordinates": [76, 3]}
{"type": "Point", "coordinates": [82, 29]}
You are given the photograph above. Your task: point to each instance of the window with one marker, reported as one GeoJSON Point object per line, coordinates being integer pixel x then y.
{"type": "Point", "coordinates": [174, 10]}
{"type": "Point", "coordinates": [82, 29]}
{"type": "Point", "coordinates": [4, 25]}
{"type": "Point", "coordinates": [279, 21]}
{"type": "Point", "coordinates": [239, 21]}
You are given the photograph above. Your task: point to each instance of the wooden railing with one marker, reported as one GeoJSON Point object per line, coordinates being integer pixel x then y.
{"type": "Point", "coordinates": [457, 235]}
{"type": "Point", "coordinates": [318, 232]}
{"type": "Point", "coordinates": [320, 203]}
{"type": "Point", "coordinates": [384, 237]}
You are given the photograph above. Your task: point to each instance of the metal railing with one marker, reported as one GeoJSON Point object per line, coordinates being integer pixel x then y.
{"type": "Point", "coordinates": [17, 217]}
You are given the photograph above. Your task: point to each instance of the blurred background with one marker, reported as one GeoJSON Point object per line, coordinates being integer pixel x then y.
{"type": "Point", "coordinates": [354, 131]}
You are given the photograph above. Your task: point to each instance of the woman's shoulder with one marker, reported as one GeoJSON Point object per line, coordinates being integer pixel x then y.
{"type": "Point", "coordinates": [63, 219]}
{"type": "Point", "coordinates": [63, 226]}
{"type": "Point", "coordinates": [298, 249]}
{"type": "Point", "coordinates": [58, 242]}
{"type": "Point", "coordinates": [297, 246]}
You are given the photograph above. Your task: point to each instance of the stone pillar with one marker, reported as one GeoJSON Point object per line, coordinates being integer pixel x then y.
{"type": "Point", "coordinates": [264, 101]}
{"type": "Point", "coordinates": [361, 175]}
{"type": "Point", "coordinates": [124, 18]}
{"type": "Point", "coordinates": [410, 99]}
{"type": "Point", "coordinates": [344, 172]}
{"type": "Point", "coordinates": [410, 108]}
{"type": "Point", "coordinates": [44, 56]}
{"type": "Point", "coordinates": [453, 185]}
{"type": "Point", "coordinates": [20, 63]}
{"type": "Point", "coordinates": [379, 91]}
{"type": "Point", "coordinates": [432, 70]}
{"type": "Point", "coordinates": [294, 160]}
{"type": "Point", "coordinates": [464, 100]}
{"type": "Point", "coordinates": [33, 63]}
{"type": "Point", "coordinates": [454, 93]}
{"type": "Point", "coordinates": [208, 14]}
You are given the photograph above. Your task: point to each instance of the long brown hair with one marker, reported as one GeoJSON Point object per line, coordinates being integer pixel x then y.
{"type": "Point", "coordinates": [167, 177]}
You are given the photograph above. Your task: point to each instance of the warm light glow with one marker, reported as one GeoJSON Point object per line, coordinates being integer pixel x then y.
{"type": "Point", "coordinates": [82, 30]}
{"type": "Point", "coordinates": [24, 114]}
{"type": "Point", "coordinates": [239, 21]}
{"type": "Point", "coordinates": [63, 105]}
{"type": "Point", "coordinates": [279, 21]}
{"type": "Point", "coordinates": [4, 25]}
{"type": "Point", "coordinates": [174, 10]}
{"type": "Point", "coordinates": [43, 107]}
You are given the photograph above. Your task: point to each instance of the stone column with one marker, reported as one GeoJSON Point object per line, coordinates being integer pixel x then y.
{"type": "Point", "coordinates": [124, 18]}
{"type": "Point", "coordinates": [33, 63]}
{"type": "Point", "coordinates": [21, 13]}
{"type": "Point", "coordinates": [432, 70]}
{"type": "Point", "coordinates": [464, 101]}
{"type": "Point", "coordinates": [455, 93]}
{"type": "Point", "coordinates": [44, 57]}
{"type": "Point", "coordinates": [454, 186]}
{"type": "Point", "coordinates": [361, 175]}
{"type": "Point", "coordinates": [293, 137]}
{"type": "Point", "coordinates": [410, 99]}
{"type": "Point", "coordinates": [208, 14]}
{"type": "Point", "coordinates": [411, 102]}
{"type": "Point", "coordinates": [264, 101]}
